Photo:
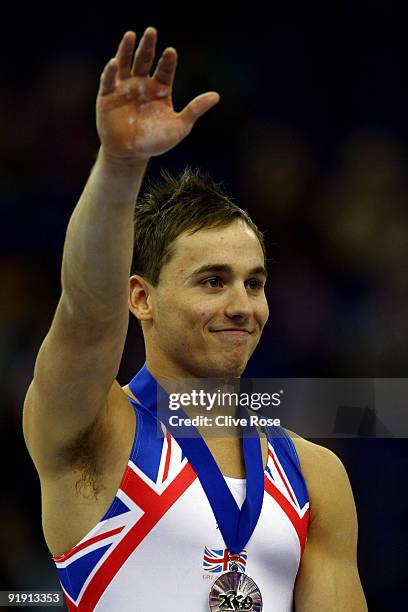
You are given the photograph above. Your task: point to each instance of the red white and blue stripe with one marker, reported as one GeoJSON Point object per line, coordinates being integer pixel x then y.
{"type": "Point", "coordinates": [155, 483]}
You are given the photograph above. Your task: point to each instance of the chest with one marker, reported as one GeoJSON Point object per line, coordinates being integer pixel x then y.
{"type": "Point", "coordinates": [180, 546]}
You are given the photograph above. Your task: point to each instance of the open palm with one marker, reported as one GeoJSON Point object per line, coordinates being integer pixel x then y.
{"type": "Point", "coordinates": [134, 112]}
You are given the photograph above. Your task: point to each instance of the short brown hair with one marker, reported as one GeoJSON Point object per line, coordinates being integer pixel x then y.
{"type": "Point", "coordinates": [172, 205]}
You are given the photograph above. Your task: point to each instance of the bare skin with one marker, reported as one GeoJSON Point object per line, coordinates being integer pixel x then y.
{"type": "Point", "coordinates": [135, 114]}
{"type": "Point", "coordinates": [78, 422]}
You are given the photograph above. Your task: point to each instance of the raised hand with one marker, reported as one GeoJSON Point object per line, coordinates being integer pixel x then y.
{"type": "Point", "coordinates": [134, 112]}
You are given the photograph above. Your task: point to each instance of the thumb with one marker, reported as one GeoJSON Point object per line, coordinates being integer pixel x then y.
{"type": "Point", "coordinates": [197, 107]}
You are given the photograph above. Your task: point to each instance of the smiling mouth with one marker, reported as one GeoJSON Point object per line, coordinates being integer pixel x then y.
{"type": "Point", "coordinates": [231, 332]}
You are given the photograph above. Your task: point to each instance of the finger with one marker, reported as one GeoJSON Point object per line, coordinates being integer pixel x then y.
{"type": "Point", "coordinates": [108, 77]}
{"type": "Point", "coordinates": [125, 53]}
{"type": "Point", "coordinates": [166, 67]}
{"type": "Point", "coordinates": [145, 53]}
{"type": "Point", "coordinates": [197, 107]}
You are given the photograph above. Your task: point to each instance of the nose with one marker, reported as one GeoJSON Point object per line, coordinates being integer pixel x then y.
{"type": "Point", "coordinates": [238, 306]}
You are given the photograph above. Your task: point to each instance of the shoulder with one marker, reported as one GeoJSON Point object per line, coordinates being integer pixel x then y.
{"type": "Point", "coordinates": [317, 461]}
{"type": "Point", "coordinates": [316, 458]}
{"type": "Point", "coordinates": [326, 479]}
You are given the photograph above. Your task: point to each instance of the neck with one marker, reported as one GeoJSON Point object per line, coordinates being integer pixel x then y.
{"type": "Point", "coordinates": [208, 399]}
{"type": "Point", "coordinates": [162, 369]}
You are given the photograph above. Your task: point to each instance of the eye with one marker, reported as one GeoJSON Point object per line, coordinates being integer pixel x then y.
{"type": "Point", "coordinates": [255, 284]}
{"type": "Point", "coordinates": [213, 283]}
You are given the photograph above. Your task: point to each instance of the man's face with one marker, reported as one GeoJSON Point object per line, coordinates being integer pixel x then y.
{"type": "Point", "coordinates": [209, 307]}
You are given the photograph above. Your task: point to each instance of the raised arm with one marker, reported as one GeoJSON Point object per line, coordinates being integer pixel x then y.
{"type": "Point", "coordinates": [80, 356]}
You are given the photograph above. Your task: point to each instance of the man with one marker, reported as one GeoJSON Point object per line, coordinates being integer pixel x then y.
{"type": "Point", "coordinates": [124, 513]}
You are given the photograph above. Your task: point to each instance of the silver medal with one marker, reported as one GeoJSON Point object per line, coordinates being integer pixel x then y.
{"type": "Point", "coordinates": [235, 591]}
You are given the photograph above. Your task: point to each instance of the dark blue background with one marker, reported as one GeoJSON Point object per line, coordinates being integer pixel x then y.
{"type": "Point", "coordinates": [310, 136]}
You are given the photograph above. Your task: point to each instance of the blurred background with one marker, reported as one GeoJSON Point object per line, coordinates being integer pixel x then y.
{"type": "Point", "coordinates": [310, 136]}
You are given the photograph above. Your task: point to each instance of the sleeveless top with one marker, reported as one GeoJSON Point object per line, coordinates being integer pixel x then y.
{"type": "Point", "coordinates": [158, 546]}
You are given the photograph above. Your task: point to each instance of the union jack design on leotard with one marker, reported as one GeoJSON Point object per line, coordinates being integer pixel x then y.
{"type": "Point", "coordinates": [283, 484]}
{"type": "Point", "coordinates": [156, 478]}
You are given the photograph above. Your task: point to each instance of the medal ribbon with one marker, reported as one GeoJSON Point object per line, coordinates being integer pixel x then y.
{"type": "Point", "coordinates": [236, 526]}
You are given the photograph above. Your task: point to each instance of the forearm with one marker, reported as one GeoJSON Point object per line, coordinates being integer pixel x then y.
{"type": "Point", "coordinates": [99, 240]}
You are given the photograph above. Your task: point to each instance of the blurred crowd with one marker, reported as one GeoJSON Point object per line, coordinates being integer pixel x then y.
{"type": "Point", "coordinates": [336, 224]}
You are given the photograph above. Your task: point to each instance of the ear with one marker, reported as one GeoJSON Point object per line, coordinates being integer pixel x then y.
{"type": "Point", "coordinates": [140, 298]}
